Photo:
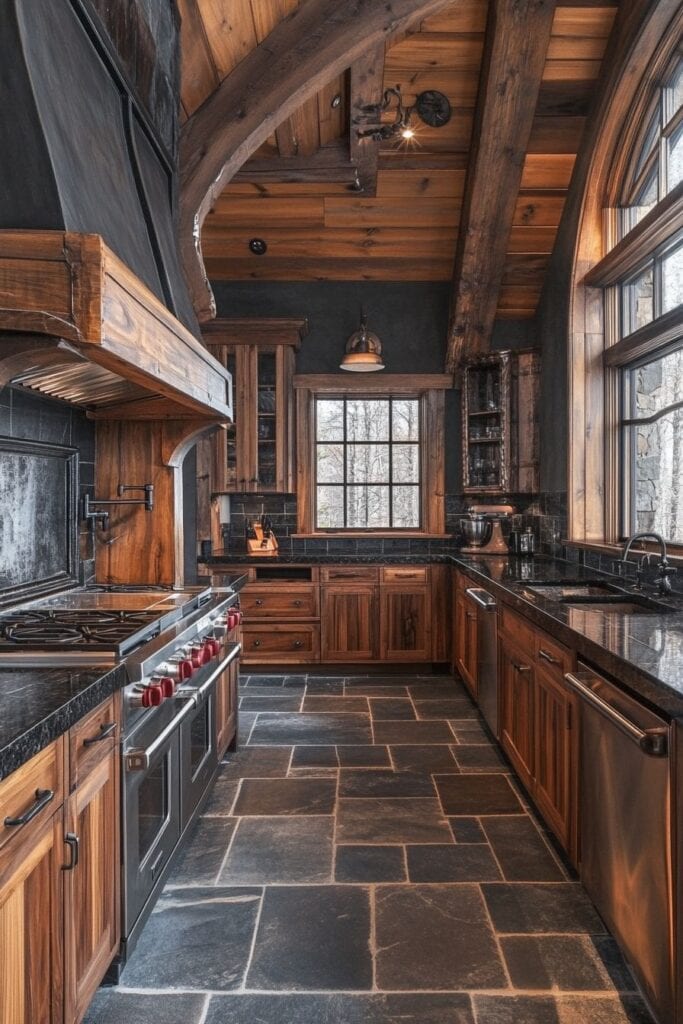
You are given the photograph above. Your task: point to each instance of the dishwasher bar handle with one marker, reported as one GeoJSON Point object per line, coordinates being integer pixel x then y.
{"type": "Point", "coordinates": [481, 598]}
{"type": "Point", "coordinates": [652, 742]}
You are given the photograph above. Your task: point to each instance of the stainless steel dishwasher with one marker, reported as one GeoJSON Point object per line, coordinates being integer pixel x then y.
{"type": "Point", "coordinates": [626, 848]}
{"type": "Point", "coordinates": [487, 654]}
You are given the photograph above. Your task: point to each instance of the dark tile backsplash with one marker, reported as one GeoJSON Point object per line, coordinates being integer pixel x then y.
{"type": "Point", "coordinates": [27, 417]}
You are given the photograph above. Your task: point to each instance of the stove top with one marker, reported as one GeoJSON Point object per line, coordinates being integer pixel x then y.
{"type": "Point", "coordinates": [114, 630]}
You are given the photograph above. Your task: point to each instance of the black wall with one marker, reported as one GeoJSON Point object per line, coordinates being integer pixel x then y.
{"type": "Point", "coordinates": [88, 135]}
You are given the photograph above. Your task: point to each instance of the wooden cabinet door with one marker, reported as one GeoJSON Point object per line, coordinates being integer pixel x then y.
{"type": "Point", "coordinates": [92, 883]}
{"type": "Point", "coordinates": [226, 708]}
{"type": "Point", "coordinates": [555, 756]}
{"type": "Point", "coordinates": [465, 659]}
{"type": "Point", "coordinates": [405, 626]}
{"type": "Point", "coordinates": [516, 683]}
{"type": "Point", "coordinates": [349, 623]}
{"type": "Point", "coordinates": [31, 899]}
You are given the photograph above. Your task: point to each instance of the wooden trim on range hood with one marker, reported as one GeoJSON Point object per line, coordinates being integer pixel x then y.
{"type": "Point", "coordinates": [77, 324]}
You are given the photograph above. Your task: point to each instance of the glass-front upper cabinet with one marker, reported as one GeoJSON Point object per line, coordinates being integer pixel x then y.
{"type": "Point", "coordinates": [255, 453]}
{"type": "Point", "coordinates": [500, 423]}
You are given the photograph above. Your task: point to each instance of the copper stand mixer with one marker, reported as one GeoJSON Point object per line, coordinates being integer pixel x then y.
{"type": "Point", "coordinates": [482, 529]}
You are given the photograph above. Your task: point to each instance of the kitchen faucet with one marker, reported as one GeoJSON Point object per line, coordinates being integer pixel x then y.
{"type": "Point", "coordinates": [662, 580]}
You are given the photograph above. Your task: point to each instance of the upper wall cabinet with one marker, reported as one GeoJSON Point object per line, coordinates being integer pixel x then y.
{"type": "Point", "coordinates": [256, 451]}
{"type": "Point", "coordinates": [500, 423]}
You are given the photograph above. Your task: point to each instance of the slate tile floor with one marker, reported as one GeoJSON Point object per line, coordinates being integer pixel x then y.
{"type": "Point", "coordinates": [367, 858]}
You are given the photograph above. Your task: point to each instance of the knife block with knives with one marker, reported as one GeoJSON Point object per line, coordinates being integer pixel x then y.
{"type": "Point", "coordinates": [260, 538]}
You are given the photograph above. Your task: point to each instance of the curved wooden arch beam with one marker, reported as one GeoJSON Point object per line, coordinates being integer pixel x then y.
{"type": "Point", "coordinates": [312, 45]}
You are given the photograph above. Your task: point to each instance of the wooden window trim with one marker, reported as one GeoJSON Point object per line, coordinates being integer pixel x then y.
{"type": "Point", "coordinates": [430, 389]}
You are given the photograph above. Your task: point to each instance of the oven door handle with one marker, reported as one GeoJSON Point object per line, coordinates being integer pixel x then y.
{"type": "Point", "coordinates": [139, 759]}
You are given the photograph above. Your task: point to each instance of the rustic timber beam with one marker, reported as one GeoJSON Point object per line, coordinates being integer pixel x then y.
{"type": "Point", "coordinates": [517, 37]}
{"type": "Point", "coordinates": [312, 45]}
{"type": "Point", "coordinates": [329, 163]}
{"type": "Point", "coordinates": [367, 90]}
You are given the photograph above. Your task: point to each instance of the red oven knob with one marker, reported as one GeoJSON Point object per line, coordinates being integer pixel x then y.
{"type": "Point", "coordinates": [197, 656]}
{"type": "Point", "coordinates": [166, 684]}
{"type": "Point", "coordinates": [212, 646]}
{"type": "Point", "coordinates": [185, 668]}
{"type": "Point", "coordinates": [152, 696]}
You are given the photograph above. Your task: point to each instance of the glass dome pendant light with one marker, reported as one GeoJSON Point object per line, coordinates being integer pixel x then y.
{"type": "Point", "coordinates": [363, 350]}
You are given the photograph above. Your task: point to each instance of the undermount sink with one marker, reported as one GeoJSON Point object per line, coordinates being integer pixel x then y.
{"type": "Point", "coordinates": [598, 595]}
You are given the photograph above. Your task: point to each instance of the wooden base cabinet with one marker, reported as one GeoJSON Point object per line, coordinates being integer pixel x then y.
{"type": "Point", "coordinates": [349, 622]}
{"type": "Point", "coordinates": [465, 637]}
{"type": "Point", "coordinates": [556, 755]}
{"type": "Point", "coordinates": [60, 874]}
{"type": "Point", "coordinates": [516, 685]}
{"type": "Point", "coordinates": [405, 623]}
{"type": "Point", "coordinates": [226, 707]}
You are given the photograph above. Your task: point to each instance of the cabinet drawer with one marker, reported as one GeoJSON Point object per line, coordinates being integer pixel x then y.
{"type": "Point", "coordinates": [34, 792]}
{"type": "Point", "coordinates": [350, 573]}
{"type": "Point", "coordinates": [281, 643]}
{"type": "Point", "coordinates": [290, 601]}
{"type": "Point", "coordinates": [553, 656]}
{"type": "Point", "coordinates": [519, 630]}
{"type": "Point", "coordinates": [92, 739]}
{"type": "Point", "coordinates": [404, 573]}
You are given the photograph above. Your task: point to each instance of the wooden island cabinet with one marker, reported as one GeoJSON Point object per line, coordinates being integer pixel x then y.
{"type": "Point", "coordinates": [59, 873]}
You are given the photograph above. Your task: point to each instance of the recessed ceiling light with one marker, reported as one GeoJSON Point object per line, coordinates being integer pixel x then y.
{"type": "Point", "coordinates": [336, 101]}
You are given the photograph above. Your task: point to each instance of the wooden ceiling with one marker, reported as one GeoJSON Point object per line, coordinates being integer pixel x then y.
{"type": "Point", "coordinates": [296, 191]}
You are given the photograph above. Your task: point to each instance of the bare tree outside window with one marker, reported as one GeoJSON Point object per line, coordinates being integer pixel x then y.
{"type": "Point", "coordinates": [367, 463]}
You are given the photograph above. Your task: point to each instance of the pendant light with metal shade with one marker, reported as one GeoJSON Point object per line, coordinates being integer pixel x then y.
{"type": "Point", "coordinates": [363, 350]}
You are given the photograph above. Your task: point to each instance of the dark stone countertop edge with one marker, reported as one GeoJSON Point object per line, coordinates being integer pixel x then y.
{"type": "Point", "coordinates": [21, 748]}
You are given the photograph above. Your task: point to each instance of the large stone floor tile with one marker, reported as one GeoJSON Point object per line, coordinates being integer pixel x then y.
{"type": "Point", "coordinates": [201, 859]}
{"type": "Point", "coordinates": [569, 963]}
{"type": "Point", "coordinates": [256, 763]}
{"type": "Point", "coordinates": [197, 938]}
{"type": "Point", "coordinates": [460, 709]}
{"type": "Point", "coordinates": [313, 937]}
{"type": "Point", "coordinates": [315, 757]}
{"type": "Point", "coordinates": [435, 937]}
{"type": "Point", "coordinates": [340, 1008]}
{"type": "Point", "coordinates": [389, 709]}
{"type": "Point", "coordinates": [520, 849]}
{"type": "Point", "coordinates": [286, 701]}
{"type": "Point", "coordinates": [270, 851]}
{"type": "Point", "coordinates": [602, 1010]}
{"type": "Point", "coordinates": [532, 908]}
{"type": "Point", "coordinates": [389, 821]}
{"type": "Point", "coordinates": [113, 1007]}
{"type": "Point", "coordinates": [311, 729]}
{"type": "Point", "coordinates": [452, 863]}
{"type": "Point", "coordinates": [363, 756]}
{"type": "Point", "coordinates": [361, 782]}
{"type": "Point", "coordinates": [286, 796]}
{"type": "Point", "coordinates": [512, 1009]}
{"type": "Point", "coordinates": [414, 733]}
{"type": "Point", "coordinates": [370, 864]}
{"type": "Point", "coordinates": [426, 759]}
{"type": "Point", "coordinates": [477, 794]}
{"type": "Point", "coordinates": [331, 705]}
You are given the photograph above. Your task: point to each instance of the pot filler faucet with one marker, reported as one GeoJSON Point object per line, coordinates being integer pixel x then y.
{"type": "Point", "coordinates": [665, 571]}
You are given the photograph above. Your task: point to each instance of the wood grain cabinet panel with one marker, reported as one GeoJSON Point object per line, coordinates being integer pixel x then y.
{"type": "Point", "coordinates": [31, 900]}
{"type": "Point", "coordinates": [516, 687]}
{"type": "Point", "coordinates": [91, 907]}
{"type": "Point", "coordinates": [280, 601]}
{"type": "Point", "coordinates": [349, 623]}
{"type": "Point", "coordinates": [226, 708]}
{"type": "Point", "coordinates": [465, 643]}
{"type": "Point", "coordinates": [405, 624]}
{"type": "Point", "coordinates": [281, 643]}
{"type": "Point", "coordinates": [556, 756]}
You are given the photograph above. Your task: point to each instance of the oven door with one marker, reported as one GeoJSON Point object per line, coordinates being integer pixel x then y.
{"type": "Point", "coordinates": [198, 758]}
{"type": "Point", "coordinates": [151, 824]}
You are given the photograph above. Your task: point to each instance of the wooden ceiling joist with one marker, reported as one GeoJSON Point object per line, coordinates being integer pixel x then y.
{"type": "Point", "coordinates": [367, 90]}
{"type": "Point", "coordinates": [516, 45]}
{"type": "Point", "coordinates": [316, 42]}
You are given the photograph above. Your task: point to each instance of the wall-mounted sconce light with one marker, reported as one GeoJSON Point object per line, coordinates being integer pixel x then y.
{"type": "Point", "coordinates": [363, 350]}
{"type": "Point", "coordinates": [431, 106]}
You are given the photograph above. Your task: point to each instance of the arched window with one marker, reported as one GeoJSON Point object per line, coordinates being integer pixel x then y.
{"type": "Point", "coordinates": [637, 442]}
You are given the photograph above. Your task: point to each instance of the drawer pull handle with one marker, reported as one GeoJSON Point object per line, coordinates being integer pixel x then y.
{"type": "Point", "coordinates": [257, 643]}
{"type": "Point", "coordinates": [73, 842]}
{"type": "Point", "coordinates": [105, 731]}
{"type": "Point", "coordinates": [471, 615]}
{"type": "Point", "coordinates": [521, 668]}
{"type": "Point", "coordinates": [298, 643]}
{"type": "Point", "coordinates": [43, 798]}
{"type": "Point", "coordinates": [297, 604]}
{"type": "Point", "coordinates": [547, 656]}
{"type": "Point", "coordinates": [258, 602]}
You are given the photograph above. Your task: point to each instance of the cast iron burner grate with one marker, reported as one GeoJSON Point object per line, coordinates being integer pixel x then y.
{"type": "Point", "coordinates": [112, 629]}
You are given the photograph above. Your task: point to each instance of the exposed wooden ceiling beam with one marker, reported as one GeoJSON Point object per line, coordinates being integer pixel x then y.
{"type": "Point", "coordinates": [329, 163]}
{"type": "Point", "coordinates": [303, 52]}
{"type": "Point", "coordinates": [367, 90]}
{"type": "Point", "coordinates": [517, 37]}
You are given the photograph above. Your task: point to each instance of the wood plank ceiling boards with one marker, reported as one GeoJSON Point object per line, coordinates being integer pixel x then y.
{"type": "Point", "coordinates": [295, 187]}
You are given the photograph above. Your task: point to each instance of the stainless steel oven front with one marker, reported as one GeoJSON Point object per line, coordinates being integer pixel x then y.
{"type": "Point", "coordinates": [198, 757]}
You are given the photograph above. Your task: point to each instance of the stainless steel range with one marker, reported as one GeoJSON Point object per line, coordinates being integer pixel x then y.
{"type": "Point", "coordinates": [179, 707]}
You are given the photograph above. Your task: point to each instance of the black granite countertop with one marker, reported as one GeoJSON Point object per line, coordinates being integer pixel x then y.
{"type": "Point", "coordinates": [642, 651]}
{"type": "Point", "coordinates": [218, 558]}
{"type": "Point", "coordinates": [40, 704]}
